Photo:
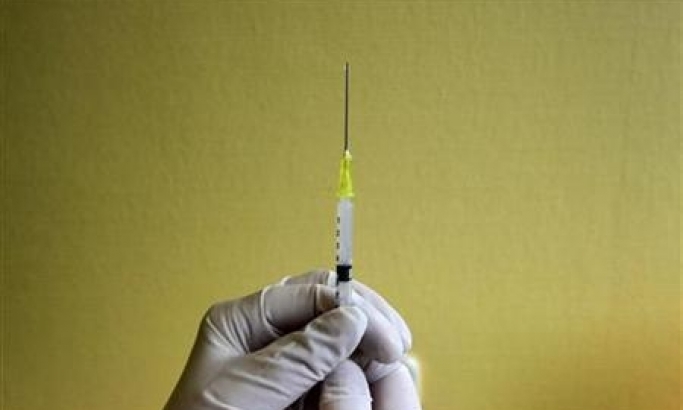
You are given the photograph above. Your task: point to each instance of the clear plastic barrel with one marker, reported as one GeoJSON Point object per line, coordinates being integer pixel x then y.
{"type": "Point", "coordinates": [344, 293]}
{"type": "Point", "coordinates": [344, 232]}
{"type": "Point", "coordinates": [344, 251]}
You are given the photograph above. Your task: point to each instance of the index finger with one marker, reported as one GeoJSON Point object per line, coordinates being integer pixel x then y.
{"type": "Point", "coordinates": [244, 325]}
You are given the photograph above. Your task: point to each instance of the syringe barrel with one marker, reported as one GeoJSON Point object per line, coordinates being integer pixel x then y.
{"type": "Point", "coordinates": [344, 231]}
{"type": "Point", "coordinates": [344, 293]}
{"type": "Point", "coordinates": [344, 251]}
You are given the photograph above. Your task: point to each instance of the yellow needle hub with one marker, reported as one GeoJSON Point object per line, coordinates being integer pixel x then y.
{"type": "Point", "coordinates": [345, 183]}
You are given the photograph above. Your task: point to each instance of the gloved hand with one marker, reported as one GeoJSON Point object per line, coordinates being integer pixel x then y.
{"type": "Point", "coordinates": [288, 347]}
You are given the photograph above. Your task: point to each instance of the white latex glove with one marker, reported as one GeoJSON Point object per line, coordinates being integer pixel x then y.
{"type": "Point", "coordinates": [288, 347]}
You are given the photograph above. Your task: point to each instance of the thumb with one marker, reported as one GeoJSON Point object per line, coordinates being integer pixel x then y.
{"type": "Point", "coordinates": [281, 372]}
{"type": "Point", "coordinates": [346, 389]}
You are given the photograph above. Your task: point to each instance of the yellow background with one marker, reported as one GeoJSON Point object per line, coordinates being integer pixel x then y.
{"type": "Point", "coordinates": [516, 168]}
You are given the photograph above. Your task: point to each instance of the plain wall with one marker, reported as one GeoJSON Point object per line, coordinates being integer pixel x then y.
{"type": "Point", "coordinates": [516, 168]}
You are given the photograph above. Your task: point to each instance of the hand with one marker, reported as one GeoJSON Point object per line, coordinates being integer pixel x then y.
{"type": "Point", "coordinates": [288, 347]}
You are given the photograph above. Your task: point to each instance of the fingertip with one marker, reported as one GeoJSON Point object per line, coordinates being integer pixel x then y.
{"type": "Point", "coordinates": [387, 353]}
{"type": "Point", "coordinates": [375, 370]}
{"type": "Point", "coordinates": [331, 278]}
{"type": "Point", "coordinates": [326, 299]}
{"type": "Point", "coordinates": [381, 341]}
{"type": "Point", "coordinates": [375, 299]}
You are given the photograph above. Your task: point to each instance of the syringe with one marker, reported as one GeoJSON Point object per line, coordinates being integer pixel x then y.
{"type": "Point", "coordinates": [345, 210]}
